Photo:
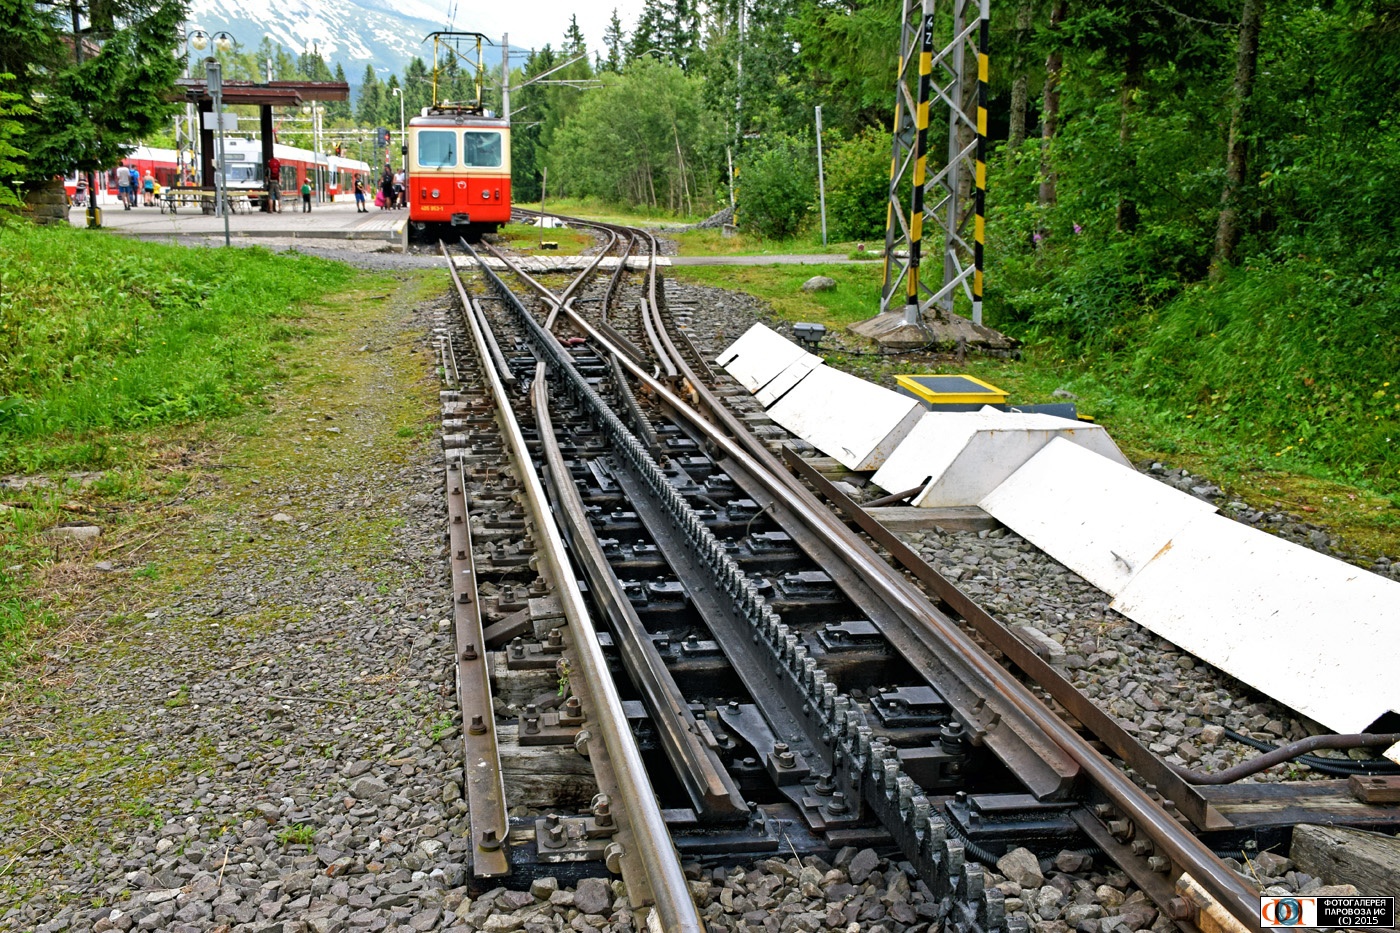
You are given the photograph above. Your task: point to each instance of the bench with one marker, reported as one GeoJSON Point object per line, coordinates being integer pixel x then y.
{"type": "Point", "coordinates": [236, 199]}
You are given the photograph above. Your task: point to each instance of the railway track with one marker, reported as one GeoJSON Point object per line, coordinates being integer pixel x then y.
{"type": "Point", "coordinates": [744, 670]}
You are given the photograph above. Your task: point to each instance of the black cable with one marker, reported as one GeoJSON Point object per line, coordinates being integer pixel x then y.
{"type": "Point", "coordinates": [1337, 766]}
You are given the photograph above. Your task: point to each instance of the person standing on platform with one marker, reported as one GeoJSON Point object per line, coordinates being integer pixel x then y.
{"type": "Point", "coordinates": [306, 197]}
{"type": "Point", "coordinates": [386, 186]}
{"type": "Point", "coordinates": [123, 187]}
{"type": "Point", "coordinates": [398, 190]}
{"type": "Point", "coordinates": [148, 189]}
{"type": "Point", "coordinates": [360, 196]}
{"type": "Point", "coordinates": [274, 185]}
{"type": "Point", "coordinates": [134, 184]}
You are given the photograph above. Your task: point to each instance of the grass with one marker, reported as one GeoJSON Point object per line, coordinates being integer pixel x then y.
{"type": "Point", "coordinates": [104, 336]}
{"type": "Point", "coordinates": [1364, 515]}
{"type": "Point", "coordinates": [711, 242]}
{"type": "Point", "coordinates": [525, 237]}
{"type": "Point", "coordinates": [855, 297]}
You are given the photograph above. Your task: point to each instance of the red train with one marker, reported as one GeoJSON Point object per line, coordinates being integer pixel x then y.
{"type": "Point", "coordinates": [245, 169]}
{"type": "Point", "coordinates": [458, 172]}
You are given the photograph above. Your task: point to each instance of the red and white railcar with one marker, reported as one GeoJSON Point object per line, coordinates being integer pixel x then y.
{"type": "Point", "coordinates": [458, 172]}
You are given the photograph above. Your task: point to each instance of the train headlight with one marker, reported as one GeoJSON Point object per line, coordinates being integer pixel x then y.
{"type": "Point", "coordinates": [435, 192]}
{"type": "Point", "coordinates": [485, 195]}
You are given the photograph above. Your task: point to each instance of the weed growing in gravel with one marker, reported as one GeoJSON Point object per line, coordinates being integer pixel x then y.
{"type": "Point", "coordinates": [441, 729]}
{"type": "Point", "coordinates": [299, 834]}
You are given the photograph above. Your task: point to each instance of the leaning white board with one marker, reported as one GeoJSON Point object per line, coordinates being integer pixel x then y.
{"type": "Point", "coordinates": [1101, 519]}
{"type": "Point", "coordinates": [960, 457]}
{"type": "Point", "coordinates": [759, 355]}
{"type": "Point", "coordinates": [853, 421]}
{"type": "Point", "coordinates": [1313, 632]}
{"type": "Point", "coordinates": [778, 386]}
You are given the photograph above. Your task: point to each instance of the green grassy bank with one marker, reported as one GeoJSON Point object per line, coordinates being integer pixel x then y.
{"type": "Point", "coordinates": [121, 365]}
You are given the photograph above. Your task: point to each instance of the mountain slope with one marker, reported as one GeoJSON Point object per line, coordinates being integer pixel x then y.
{"type": "Point", "coordinates": [384, 33]}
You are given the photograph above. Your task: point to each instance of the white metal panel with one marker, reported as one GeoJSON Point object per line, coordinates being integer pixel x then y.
{"type": "Point", "coordinates": [1101, 519]}
{"type": "Point", "coordinates": [962, 456]}
{"type": "Point", "coordinates": [856, 422]}
{"type": "Point", "coordinates": [786, 379]}
{"type": "Point", "coordinates": [1313, 632]}
{"type": "Point", "coordinates": [759, 355]}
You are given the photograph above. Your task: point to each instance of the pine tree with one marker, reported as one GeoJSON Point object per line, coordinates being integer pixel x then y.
{"type": "Point", "coordinates": [339, 111]}
{"type": "Point", "coordinates": [87, 100]}
{"type": "Point", "coordinates": [573, 39]}
{"type": "Point", "coordinates": [615, 41]}
{"type": "Point", "coordinates": [369, 109]}
{"type": "Point", "coordinates": [649, 32]}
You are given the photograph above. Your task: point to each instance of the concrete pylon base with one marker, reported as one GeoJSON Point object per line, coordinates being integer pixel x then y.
{"type": "Point", "coordinates": [890, 333]}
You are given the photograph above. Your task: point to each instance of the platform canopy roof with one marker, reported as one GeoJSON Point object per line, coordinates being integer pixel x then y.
{"type": "Point", "coordinates": [271, 94]}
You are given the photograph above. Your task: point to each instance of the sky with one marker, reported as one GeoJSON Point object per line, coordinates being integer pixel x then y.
{"type": "Point", "coordinates": [534, 23]}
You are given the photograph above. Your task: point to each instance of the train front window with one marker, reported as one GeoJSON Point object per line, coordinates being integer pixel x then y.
{"type": "Point", "coordinates": [481, 150]}
{"type": "Point", "coordinates": [437, 148]}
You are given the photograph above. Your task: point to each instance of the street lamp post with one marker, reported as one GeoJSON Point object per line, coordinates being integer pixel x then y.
{"type": "Point", "coordinates": [196, 40]}
{"type": "Point", "coordinates": [215, 81]}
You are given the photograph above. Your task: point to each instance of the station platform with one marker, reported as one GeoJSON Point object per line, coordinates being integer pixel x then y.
{"type": "Point", "coordinates": [329, 221]}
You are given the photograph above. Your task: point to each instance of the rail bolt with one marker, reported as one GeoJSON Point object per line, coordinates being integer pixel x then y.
{"type": "Point", "coordinates": [1159, 863]}
{"type": "Point", "coordinates": [1122, 830]}
{"type": "Point", "coordinates": [554, 837]}
{"type": "Point", "coordinates": [837, 804]}
{"type": "Point", "coordinates": [517, 648]}
{"type": "Point", "coordinates": [612, 857]}
{"type": "Point", "coordinates": [478, 726]}
{"type": "Point", "coordinates": [469, 653]}
{"type": "Point", "coordinates": [1141, 847]}
{"type": "Point", "coordinates": [1103, 810]}
{"type": "Point", "coordinates": [1179, 908]}
{"type": "Point", "coordinates": [556, 637]}
{"type": "Point", "coordinates": [573, 709]}
{"type": "Point", "coordinates": [824, 785]}
{"type": "Point", "coordinates": [602, 810]}
{"type": "Point", "coordinates": [581, 741]}
{"type": "Point", "coordinates": [489, 840]}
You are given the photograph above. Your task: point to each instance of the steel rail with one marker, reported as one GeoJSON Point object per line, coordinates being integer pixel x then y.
{"type": "Point", "coordinates": [709, 785]}
{"type": "Point", "coordinates": [662, 882]}
{"type": "Point", "coordinates": [1181, 846]}
{"type": "Point", "coordinates": [902, 611]}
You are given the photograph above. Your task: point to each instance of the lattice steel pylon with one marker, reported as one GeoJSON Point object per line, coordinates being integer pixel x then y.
{"type": "Point", "coordinates": [938, 81]}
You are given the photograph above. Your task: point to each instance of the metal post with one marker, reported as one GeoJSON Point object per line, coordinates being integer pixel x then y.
{"type": "Point", "coordinates": [938, 198]}
{"type": "Point", "coordinates": [980, 205]}
{"type": "Point", "coordinates": [403, 139]}
{"type": "Point", "coordinates": [821, 175]}
{"type": "Point", "coordinates": [505, 76]}
{"type": "Point", "coordinates": [912, 313]}
{"type": "Point", "coordinates": [215, 80]}
{"type": "Point", "coordinates": [544, 183]}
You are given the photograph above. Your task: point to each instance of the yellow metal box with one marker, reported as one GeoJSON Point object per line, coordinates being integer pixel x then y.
{"type": "Point", "coordinates": [938, 389]}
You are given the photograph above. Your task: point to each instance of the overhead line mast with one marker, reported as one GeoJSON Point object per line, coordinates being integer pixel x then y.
{"type": "Point", "coordinates": [938, 82]}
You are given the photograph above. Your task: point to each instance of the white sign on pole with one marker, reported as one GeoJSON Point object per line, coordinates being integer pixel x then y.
{"type": "Point", "coordinates": [230, 122]}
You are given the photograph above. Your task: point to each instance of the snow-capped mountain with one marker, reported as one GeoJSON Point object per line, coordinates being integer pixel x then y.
{"type": "Point", "coordinates": [384, 33]}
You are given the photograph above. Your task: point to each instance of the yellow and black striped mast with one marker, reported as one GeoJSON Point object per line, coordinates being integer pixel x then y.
{"type": "Point", "coordinates": [979, 232]}
{"type": "Point", "coordinates": [939, 93]}
{"type": "Point", "coordinates": [916, 206]}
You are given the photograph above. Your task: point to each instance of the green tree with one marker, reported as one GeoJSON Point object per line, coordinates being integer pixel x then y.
{"type": "Point", "coordinates": [615, 41]}
{"type": "Point", "coordinates": [778, 184]}
{"type": "Point", "coordinates": [369, 109]}
{"type": "Point", "coordinates": [86, 101]}
{"type": "Point", "coordinates": [644, 138]}
{"type": "Point", "coordinates": [11, 167]}
{"type": "Point", "coordinates": [857, 185]}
